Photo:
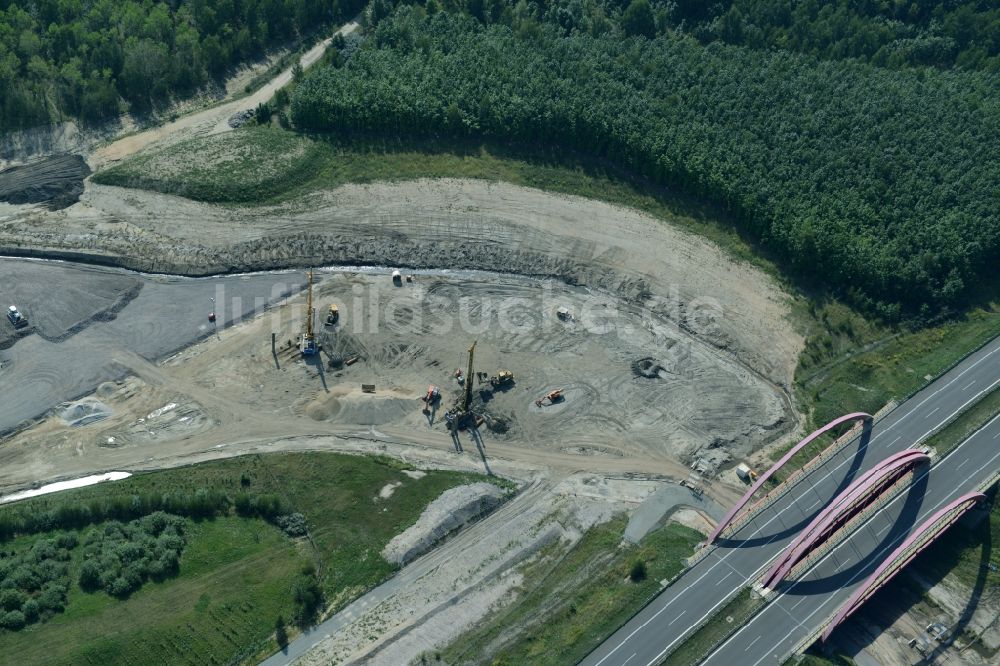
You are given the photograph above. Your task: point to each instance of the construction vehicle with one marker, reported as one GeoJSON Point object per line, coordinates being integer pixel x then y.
{"type": "Point", "coordinates": [564, 314]}
{"type": "Point", "coordinates": [307, 343]}
{"type": "Point", "coordinates": [468, 384]}
{"type": "Point", "coordinates": [502, 378]}
{"type": "Point", "coordinates": [550, 398]}
{"type": "Point", "coordinates": [16, 318]}
{"type": "Point", "coordinates": [431, 398]}
{"type": "Point", "coordinates": [332, 315]}
{"type": "Point", "coordinates": [397, 278]}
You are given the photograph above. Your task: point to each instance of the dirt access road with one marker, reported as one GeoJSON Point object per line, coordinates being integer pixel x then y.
{"type": "Point", "coordinates": [212, 120]}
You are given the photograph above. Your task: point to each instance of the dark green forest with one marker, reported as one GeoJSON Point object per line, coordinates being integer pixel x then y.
{"type": "Point", "coordinates": [93, 59]}
{"type": "Point", "coordinates": [883, 184]}
{"type": "Point", "coordinates": [891, 33]}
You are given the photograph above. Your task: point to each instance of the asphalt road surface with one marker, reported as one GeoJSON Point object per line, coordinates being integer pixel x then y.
{"type": "Point", "coordinates": [85, 318]}
{"type": "Point", "coordinates": [803, 605]}
{"type": "Point", "coordinates": [740, 557]}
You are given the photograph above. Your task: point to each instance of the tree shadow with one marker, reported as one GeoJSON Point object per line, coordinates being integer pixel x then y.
{"type": "Point", "coordinates": [849, 476]}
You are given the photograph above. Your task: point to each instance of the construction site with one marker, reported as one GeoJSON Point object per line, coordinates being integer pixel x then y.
{"type": "Point", "coordinates": [610, 365]}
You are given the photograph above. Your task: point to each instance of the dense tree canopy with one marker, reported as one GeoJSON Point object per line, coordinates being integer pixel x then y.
{"type": "Point", "coordinates": [882, 183]}
{"type": "Point", "coordinates": [90, 60]}
{"type": "Point", "coordinates": [942, 33]}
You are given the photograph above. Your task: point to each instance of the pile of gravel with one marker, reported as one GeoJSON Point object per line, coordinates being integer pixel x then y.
{"type": "Point", "coordinates": [449, 512]}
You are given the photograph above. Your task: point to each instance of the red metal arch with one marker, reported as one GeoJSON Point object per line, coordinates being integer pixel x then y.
{"type": "Point", "coordinates": [724, 523]}
{"type": "Point", "coordinates": [841, 509]}
{"type": "Point", "coordinates": [914, 544]}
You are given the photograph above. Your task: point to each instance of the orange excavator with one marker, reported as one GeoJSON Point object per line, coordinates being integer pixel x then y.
{"type": "Point", "coordinates": [550, 398]}
{"type": "Point", "coordinates": [433, 395]}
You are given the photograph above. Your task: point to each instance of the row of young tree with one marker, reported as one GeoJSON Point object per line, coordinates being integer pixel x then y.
{"type": "Point", "coordinates": [119, 557]}
{"type": "Point", "coordinates": [44, 516]}
{"type": "Point", "coordinates": [91, 60]}
{"type": "Point", "coordinates": [879, 183]}
{"type": "Point", "coordinates": [34, 581]}
{"type": "Point", "coordinates": [936, 33]}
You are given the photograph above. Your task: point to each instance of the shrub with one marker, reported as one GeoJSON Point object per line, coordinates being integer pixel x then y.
{"type": "Point", "coordinates": [638, 571]}
{"type": "Point", "coordinates": [13, 620]}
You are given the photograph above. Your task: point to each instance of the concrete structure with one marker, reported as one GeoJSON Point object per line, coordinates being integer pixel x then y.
{"type": "Point", "coordinates": [921, 537]}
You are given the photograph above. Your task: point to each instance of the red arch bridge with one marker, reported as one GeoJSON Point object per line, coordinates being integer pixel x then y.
{"type": "Point", "coordinates": [852, 502]}
{"type": "Point", "coordinates": [912, 546]}
{"type": "Point", "coordinates": [858, 417]}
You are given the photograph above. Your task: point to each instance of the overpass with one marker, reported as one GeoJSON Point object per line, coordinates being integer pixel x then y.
{"type": "Point", "coordinates": [838, 583]}
{"type": "Point", "coordinates": [741, 556]}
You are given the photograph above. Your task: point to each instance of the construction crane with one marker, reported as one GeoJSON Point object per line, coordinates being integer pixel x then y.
{"type": "Point", "coordinates": [307, 344]}
{"type": "Point", "coordinates": [468, 380]}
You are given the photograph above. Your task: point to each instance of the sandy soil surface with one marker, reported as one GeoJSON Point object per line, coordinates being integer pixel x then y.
{"type": "Point", "coordinates": [439, 224]}
{"type": "Point", "coordinates": [236, 385]}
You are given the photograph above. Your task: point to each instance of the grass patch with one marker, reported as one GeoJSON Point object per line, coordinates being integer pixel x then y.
{"type": "Point", "coordinates": [233, 582]}
{"type": "Point", "coordinates": [852, 364]}
{"type": "Point", "coordinates": [729, 618]}
{"type": "Point", "coordinates": [573, 599]}
{"type": "Point", "coordinates": [236, 573]}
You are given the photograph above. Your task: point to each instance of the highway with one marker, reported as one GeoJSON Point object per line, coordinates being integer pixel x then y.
{"type": "Point", "coordinates": [740, 557]}
{"type": "Point", "coordinates": [802, 606]}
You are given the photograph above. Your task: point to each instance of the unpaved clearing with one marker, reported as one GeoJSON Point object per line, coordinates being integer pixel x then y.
{"type": "Point", "coordinates": [210, 121]}
{"type": "Point", "coordinates": [437, 224]}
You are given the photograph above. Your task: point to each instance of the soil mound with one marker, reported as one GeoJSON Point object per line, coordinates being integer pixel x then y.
{"type": "Point", "coordinates": [55, 181]}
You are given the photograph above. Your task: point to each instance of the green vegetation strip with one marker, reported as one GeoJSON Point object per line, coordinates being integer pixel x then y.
{"type": "Point", "coordinates": [91, 61]}
{"type": "Point", "coordinates": [571, 600]}
{"type": "Point", "coordinates": [718, 628]}
{"type": "Point", "coordinates": [240, 568]}
{"type": "Point", "coordinates": [853, 364]}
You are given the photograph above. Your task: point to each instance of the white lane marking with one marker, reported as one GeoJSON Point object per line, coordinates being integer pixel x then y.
{"type": "Point", "coordinates": [751, 644]}
{"type": "Point", "coordinates": [886, 550]}
{"type": "Point", "coordinates": [719, 560]}
{"type": "Point", "coordinates": [679, 616]}
{"type": "Point", "coordinates": [629, 659]}
{"type": "Point", "coordinates": [931, 413]}
{"type": "Point", "coordinates": [719, 582]}
{"type": "Point", "coordinates": [799, 602]}
{"type": "Point", "coordinates": [969, 384]}
{"type": "Point", "coordinates": [961, 464]}
{"type": "Point", "coordinates": [895, 440]}
{"type": "Point", "coordinates": [813, 504]}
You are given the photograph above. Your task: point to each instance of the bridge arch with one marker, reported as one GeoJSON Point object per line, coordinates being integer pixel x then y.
{"type": "Point", "coordinates": [725, 522]}
{"type": "Point", "coordinates": [912, 546]}
{"type": "Point", "coordinates": [842, 509]}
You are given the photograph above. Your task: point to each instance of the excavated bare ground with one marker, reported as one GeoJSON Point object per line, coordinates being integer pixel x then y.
{"type": "Point", "coordinates": [434, 224]}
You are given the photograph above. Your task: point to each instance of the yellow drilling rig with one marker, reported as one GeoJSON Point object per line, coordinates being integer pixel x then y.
{"type": "Point", "coordinates": [307, 344]}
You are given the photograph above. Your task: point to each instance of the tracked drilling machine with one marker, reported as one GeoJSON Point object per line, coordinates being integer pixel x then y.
{"type": "Point", "coordinates": [307, 344]}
